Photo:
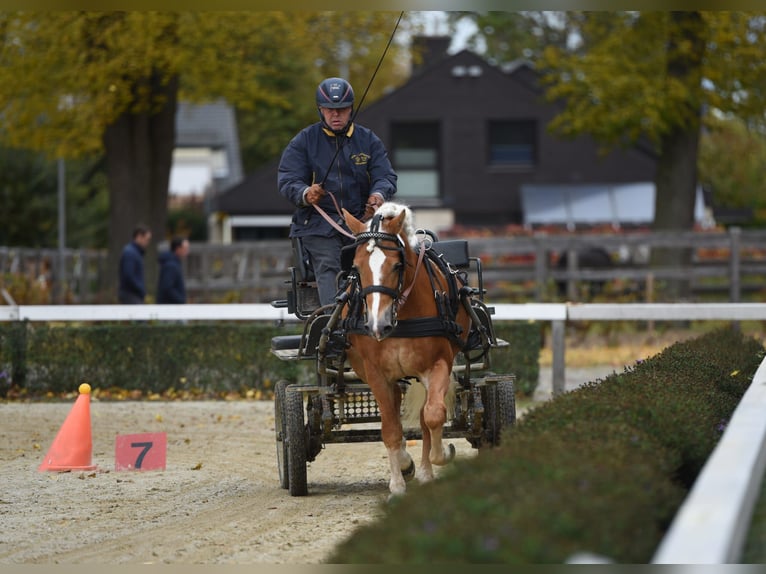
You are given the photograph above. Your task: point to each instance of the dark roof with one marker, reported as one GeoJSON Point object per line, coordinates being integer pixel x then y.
{"type": "Point", "coordinates": [238, 200]}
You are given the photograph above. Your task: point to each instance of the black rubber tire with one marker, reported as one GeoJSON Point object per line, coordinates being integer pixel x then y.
{"type": "Point", "coordinates": [296, 444]}
{"type": "Point", "coordinates": [506, 404]}
{"type": "Point", "coordinates": [499, 409]}
{"type": "Point", "coordinates": [489, 422]}
{"type": "Point", "coordinates": [280, 430]}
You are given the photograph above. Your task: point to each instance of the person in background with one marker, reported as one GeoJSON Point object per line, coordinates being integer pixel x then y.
{"type": "Point", "coordinates": [131, 290]}
{"type": "Point", "coordinates": [170, 286]}
{"type": "Point", "coordinates": [333, 164]}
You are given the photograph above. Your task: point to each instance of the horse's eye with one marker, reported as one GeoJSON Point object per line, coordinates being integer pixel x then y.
{"type": "Point", "coordinates": [398, 266]}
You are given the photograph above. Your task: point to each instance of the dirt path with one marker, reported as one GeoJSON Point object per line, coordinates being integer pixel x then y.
{"type": "Point", "coordinates": [217, 502]}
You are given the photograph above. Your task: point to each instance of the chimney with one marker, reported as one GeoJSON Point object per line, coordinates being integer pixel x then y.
{"type": "Point", "coordinates": [427, 50]}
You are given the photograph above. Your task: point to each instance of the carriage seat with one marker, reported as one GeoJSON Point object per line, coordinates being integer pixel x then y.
{"type": "Point", "coordinates": [453, 251]}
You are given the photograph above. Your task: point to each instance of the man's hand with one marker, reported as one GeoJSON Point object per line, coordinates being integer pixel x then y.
{"type": "Point", "coordinates": [373, 203]}
{"type": "Point", "coordinates": [314, 194]}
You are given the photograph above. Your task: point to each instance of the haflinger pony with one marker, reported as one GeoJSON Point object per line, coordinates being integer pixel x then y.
{"type": "Point", "coordinates": [410, 324]}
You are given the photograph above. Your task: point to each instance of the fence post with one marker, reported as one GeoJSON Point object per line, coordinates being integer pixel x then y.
{"type": "Point", "coordinates": [558, 345]}
{"type": "Point", "coordinates": [541, 270]}
{"type": "Point", "coordinates": [573, 264]}
{"type": "Point", "coordinates": [735, 287]}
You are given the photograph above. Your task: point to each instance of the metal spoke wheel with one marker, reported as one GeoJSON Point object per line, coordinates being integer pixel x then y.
{"type": "Point", "coordinates": [280, 428]}
{"type": "Point", "coordinates": [296, 443]}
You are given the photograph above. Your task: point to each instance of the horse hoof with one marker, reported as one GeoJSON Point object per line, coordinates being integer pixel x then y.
{"type": "Point", "coordinates": [409, 472]}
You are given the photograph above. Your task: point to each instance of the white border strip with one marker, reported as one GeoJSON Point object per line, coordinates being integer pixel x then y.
{"type": "Point", "coordinates": [711, 526]}
{"type": "Point", "coordinates": [212, 312]}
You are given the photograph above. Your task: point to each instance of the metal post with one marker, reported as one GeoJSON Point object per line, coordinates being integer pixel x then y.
{"type": "Point", "coordinates": [61, 275]}
{"type": "Point", "coordinates": [558, 344]}
{"type": "Point", "coordinates": [541, 265]}
{"type": "Point", "coordinates": [735, 287]}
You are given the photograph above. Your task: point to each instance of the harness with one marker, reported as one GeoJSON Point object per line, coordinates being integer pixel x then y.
{"type": "Point", "coordinates": [447, 303]}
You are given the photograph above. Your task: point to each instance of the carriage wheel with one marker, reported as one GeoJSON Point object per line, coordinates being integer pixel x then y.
{"type": "Point", "coordinates": [499, 409]}
{"type": "Point", "coordinates": [280, 429]}
{"type": "Point", "coordinates": [296, 443]}
{"type": "Point", "coordinates": [506, 404]}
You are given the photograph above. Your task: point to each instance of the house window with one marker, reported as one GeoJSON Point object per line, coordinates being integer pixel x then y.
{"type": "Point", "coordinates": [415, 157]}
{"type": "Point", "coordinates": [512, 142]}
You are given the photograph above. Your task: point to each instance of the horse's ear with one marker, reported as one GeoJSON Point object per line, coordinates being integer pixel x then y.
{"type": "Point", "coordinates": [398, 221]}
{"type": "Point", "coordinates": [353, 223]}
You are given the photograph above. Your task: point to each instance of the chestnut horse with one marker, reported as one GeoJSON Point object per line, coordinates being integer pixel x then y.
{"type": "Point", "coordinates": [396, 285]}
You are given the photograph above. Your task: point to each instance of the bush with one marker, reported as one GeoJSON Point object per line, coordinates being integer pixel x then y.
{"type": "Point", "coordinates": [601, 469]}
{"type": "Point", "coordinates": [192, 359]}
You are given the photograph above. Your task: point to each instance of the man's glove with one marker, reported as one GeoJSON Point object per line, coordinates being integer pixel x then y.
{"type": "Point", "coordinates": [313, 194]}
{"type": "Point", "coordinates": [373, 203]}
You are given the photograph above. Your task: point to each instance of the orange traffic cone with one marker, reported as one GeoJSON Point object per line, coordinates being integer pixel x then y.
{"type": "Point", "coordinates": [72, 448]}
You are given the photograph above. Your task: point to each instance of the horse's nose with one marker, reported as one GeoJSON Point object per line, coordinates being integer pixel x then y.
{"type": "Point", "coordinates": [380, 327]}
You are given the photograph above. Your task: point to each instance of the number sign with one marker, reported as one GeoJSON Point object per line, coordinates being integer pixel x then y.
{"type": "Point", "coordinates": [145, 451]}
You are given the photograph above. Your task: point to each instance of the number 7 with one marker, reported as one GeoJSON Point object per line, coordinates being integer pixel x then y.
{"type": "Point", "coordinates": [146, 446]}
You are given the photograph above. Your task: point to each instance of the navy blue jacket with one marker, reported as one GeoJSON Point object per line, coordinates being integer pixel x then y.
{"type": "Point", "coordinates": [170, 286]}
{"type": "Point", "coordinates": [131, 286]}
{"type": "Point", "coordinates": [362, 167]}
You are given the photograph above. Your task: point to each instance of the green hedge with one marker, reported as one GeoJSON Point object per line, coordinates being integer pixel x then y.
{"type": "Point", "coordinates": [201, 358]}
{"type": "Point", "coordinates": [601, 469]}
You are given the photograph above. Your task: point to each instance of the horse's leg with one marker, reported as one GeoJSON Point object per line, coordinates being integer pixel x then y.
{"type": "Point", "coordinates": [425, 471]}
{"type": "Point", "coordinates": [388, 397]}
{"type": "Point", "coordinates": [406, 464]}
{"type": "Point", "coordinates": [435, 412]}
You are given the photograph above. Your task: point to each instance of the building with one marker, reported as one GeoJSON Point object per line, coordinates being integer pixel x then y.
{"type": "Point", "coordinates": [206, 159]}
{"type": "Point", "coordinates": [470, 145]}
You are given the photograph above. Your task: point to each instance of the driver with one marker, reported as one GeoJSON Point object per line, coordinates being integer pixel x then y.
{"type": "Point", "coordinates": [359, 178]}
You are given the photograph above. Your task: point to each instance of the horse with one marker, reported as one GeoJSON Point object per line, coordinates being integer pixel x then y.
{"type": "Point", "coordinates": [402, 333]}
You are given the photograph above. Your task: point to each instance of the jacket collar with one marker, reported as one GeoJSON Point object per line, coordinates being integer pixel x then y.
{"type": "Point", "coordinates": [332, 134]}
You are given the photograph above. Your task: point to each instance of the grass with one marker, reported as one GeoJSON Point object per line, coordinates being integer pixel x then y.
{"type": "Point", "coordinates": [621, 343]}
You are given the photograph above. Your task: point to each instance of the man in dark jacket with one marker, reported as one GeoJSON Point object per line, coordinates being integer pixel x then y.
{"type": "Point", "coordinates": [171, 287]}
{"type": "Point", "coordinates": [131, 290]}
{"type": "Point", "coordinates": [333, 164]}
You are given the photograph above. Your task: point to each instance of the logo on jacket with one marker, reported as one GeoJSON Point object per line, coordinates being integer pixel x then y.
{"type": "Point", "coordinates": [360, 158]}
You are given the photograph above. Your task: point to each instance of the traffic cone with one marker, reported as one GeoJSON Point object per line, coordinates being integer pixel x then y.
{"type": "Point", "coordinates": [72, 448]}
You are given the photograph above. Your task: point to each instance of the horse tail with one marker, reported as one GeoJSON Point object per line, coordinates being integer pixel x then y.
{"type": "Point", "coordinates": [415, 398]}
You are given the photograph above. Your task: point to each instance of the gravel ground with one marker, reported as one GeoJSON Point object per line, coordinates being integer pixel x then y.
{"type": "Point", "coordinates": [218, 501]}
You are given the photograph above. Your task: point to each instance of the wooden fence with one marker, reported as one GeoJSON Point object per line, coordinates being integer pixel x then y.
{"type": "Point", "coordinates": [726, 266]}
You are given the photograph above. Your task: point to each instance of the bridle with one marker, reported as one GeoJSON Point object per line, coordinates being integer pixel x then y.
{"type": "Point", "coordinates": [373, 237]}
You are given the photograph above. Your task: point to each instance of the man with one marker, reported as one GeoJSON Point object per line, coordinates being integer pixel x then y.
{"type": "Point", "coordinates": [131, 289]}
{"type": "Point", "coordinates": [333, 164]}
{"type": "Point", "coordinates": [170, 286]}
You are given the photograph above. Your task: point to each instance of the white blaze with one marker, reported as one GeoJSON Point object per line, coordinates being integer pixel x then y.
{"type": "Point", "coordinates": [376, 260]}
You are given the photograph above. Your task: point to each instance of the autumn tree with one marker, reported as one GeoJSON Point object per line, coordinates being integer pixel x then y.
{"type": "Point", "coordinates": [731, 164]}
{"type": "Point", "coordinates": [76, 84]}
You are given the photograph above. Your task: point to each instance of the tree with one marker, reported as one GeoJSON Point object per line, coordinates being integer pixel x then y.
{"type": "Point", "coordinates": [738, 180]}
{"type": "Point", "coordinates": [28, 195]}
{"type": "Point", "coordinates": [78, 84]}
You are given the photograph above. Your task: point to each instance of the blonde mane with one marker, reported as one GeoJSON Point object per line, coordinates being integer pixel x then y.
{"type": "Point", "coordinates": [391, 209]}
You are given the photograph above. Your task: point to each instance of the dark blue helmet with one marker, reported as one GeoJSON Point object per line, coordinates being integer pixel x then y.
{"type": "Point", "coordinates": [335, 93]}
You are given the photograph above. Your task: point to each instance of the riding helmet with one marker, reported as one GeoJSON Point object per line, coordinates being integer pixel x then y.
{"type": "Point", "coordinates": [335, 93]}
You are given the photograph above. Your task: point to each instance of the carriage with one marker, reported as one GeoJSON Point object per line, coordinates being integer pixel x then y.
{"type": "Point", "coordinates": [339, 406]}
